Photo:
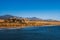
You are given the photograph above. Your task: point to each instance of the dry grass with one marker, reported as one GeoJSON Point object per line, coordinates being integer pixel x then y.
{"type": "Point", "coordinates": [20, 25]}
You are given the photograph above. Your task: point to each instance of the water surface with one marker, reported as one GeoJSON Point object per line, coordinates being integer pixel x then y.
{"type": "Point", "coordinates": [31, 33]}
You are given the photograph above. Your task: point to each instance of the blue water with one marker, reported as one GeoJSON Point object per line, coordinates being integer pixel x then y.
{"type": "Point", "coordinates": [31, 33]}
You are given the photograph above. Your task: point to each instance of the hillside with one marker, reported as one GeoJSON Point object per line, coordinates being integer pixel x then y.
{"type": "Point", "coordinates": [9, 21]}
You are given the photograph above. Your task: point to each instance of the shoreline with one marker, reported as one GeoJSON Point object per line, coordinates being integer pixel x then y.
{"type": "Point", "coordinates": [27, 26]}
{"type": "Point", "coordinates": [24, 25]}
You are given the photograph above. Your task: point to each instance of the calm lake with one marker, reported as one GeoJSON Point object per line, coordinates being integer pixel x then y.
{"type": "Point", "coordinates": [31, 33]}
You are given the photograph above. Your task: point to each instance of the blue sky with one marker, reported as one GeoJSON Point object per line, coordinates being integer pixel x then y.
{"type": "Point", "coordinates": [45, 9]}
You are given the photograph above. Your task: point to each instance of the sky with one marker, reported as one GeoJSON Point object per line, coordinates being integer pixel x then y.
{"type": "Point", "coordinates": [45, 9]}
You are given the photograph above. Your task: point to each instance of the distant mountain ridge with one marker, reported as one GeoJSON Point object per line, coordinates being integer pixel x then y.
{"type": "Point", "coordinates": [8, 17]}
{"type": "Point", "coordinates": [32, 18]}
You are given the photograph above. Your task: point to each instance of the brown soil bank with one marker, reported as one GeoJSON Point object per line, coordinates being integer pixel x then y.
{"type": "Point", "coordinates": [21, 25]}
